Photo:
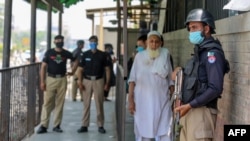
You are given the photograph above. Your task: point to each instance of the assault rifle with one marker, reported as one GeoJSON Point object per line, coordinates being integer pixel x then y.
{"type": "Point", "coordinates": [176, 101]}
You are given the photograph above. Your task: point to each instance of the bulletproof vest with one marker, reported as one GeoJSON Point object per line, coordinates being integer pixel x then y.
{"type": "Point", "coordinates": [191, 85]}
{"type": "Point", "coordinates": [190, 80]}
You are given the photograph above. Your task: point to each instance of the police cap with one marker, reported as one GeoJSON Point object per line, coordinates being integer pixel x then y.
{"type": "Point", "coordinates": [58, 37]}
{"type": "Point", "coordinates": [80, 42]}
{"type": "Point", "coordinates": [108, 45]}
{"type": "Point", "coordinates": [93, 37]}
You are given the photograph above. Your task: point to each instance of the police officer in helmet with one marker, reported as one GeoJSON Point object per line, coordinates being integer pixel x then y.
{"type": "Point", "coordinates": [198, 112]}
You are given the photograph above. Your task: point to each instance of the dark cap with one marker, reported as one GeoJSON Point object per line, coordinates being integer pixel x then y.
{"type": "Point", "coordinates": [59, 37]}
{"type": "Point", "coordinates": [80, 42]}
{"type": "Point", "coordinates": [93, 37]}
{"type": "Point", "coordinates": [143, 38]}
{"type": "Point", "coordinates": [108, 45]}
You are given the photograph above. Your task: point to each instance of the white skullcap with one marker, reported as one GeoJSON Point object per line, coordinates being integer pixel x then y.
{"type": "Point", "coordinates": [156, 33]}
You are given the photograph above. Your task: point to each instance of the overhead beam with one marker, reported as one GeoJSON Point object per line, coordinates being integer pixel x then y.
{"type": "Point", "coordinates": [55, 4]}
{"type": "Point", "coordinates": [110, 9]}
{"type": "Point", "coordinates": [90, 13]}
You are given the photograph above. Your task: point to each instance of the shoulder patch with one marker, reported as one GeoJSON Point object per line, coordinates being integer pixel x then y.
{"type": "Point", "coordinates": [211, 57]}
{"type": "Point", "coordinates": [210, 53]}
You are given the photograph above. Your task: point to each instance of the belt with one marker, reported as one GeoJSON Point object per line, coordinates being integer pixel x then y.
{"type": "Point", "coordinates": [92, 77]}
{"type": "Point", "coordinates": [56, 75]}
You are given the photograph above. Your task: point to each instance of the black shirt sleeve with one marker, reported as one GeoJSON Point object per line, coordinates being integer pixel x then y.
{"type": "Point", "coordinates": [46, 56]}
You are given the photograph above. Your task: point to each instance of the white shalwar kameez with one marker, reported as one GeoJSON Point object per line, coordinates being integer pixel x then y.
{"type": "Point", "coordinates": [152, 79]}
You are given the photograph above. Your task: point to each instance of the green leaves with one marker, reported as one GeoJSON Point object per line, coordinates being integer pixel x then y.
{"type": "Point", "coordinates": [68, 3]}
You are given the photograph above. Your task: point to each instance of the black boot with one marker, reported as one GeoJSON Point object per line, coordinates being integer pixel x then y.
{"type": "Point", "coordinates": [101, 130]}
{"type": "Point", "coordinates": [82, 129]}
{"type": "Point", "coordinates": [57, 129]}
{"type": "Point", "coordinates": [41, 130]}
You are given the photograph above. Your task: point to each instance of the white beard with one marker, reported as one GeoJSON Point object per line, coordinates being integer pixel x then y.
{"type": "Point", "coordinates": [153, 53]}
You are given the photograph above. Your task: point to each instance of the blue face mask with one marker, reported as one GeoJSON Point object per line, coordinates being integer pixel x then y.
{"type": "Point", "coordinates": [93, 45]}
{"type": "Point", "coordinates": [139, 48]}
{"type": "Point", "coordinates": [196, 37]}
{"type": "Point", "coordinates": [111, 52]}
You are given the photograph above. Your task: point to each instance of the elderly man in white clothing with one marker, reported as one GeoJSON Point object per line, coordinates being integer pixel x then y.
{"type": "Point", "coordinates": [149, 88]}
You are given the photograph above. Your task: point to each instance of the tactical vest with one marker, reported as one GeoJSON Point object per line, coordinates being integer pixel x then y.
{"type": "Point", "coordinates": [191, 84]}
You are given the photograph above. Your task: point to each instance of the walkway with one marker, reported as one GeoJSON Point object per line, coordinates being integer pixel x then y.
{"type": "Point", "coordinates": [72, 121]}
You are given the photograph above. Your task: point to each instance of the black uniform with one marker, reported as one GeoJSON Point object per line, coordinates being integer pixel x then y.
{"type": "Point", "coordinates": [57, 61]}
{"type": "Point", "coordinates": [93, 63]}
{"type": "Point", "coordinates": [211, 70]}
{"type": "Point", "coordinates": [77, 53]}
{"type": "Point", "coordinates": [112, 75]}
{"type": "Point", "coordinates": [56, 86]}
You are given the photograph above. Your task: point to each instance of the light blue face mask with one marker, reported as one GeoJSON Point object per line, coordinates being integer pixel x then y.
{"type": "Point", "coordinates": [196, 37]}
{"type": "Point", "coordinates": [139, 48]}
{"type": "Point", "coordinates": [93, 45]}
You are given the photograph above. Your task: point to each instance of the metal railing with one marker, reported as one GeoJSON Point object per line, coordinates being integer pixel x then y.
{"type": "Point", "coordinates": [20, 101]}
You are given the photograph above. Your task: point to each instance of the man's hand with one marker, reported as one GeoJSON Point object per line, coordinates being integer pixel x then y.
{"type": "Point", "coordinates": [175, 72]}
{"type": "Point", "coordinates": [80, 85]}
{"type": "Point", "coordinates": [69, 73]}
{"type": "Point", "coordinates": [131, 100]}
{"type": "Point", "coordinates": [106, 87]}
{"type": "Point", "coordinates": [43, 76]}
{"type": "Point", "coordinates": [171, 89]}
{"type": "Point", "coordinates": [43, 86]}
{"type": "Point", "coordinates": [183, 109]}
{"type": "Point", "coordinates": [131, 107]}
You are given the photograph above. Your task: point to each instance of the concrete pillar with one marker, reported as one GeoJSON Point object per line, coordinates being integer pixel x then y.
{"type": "Point", "coordinates": [101, 46]}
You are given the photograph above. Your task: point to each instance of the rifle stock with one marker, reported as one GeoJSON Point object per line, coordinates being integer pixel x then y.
{"type": "Point", "coordinates": [176, 101]}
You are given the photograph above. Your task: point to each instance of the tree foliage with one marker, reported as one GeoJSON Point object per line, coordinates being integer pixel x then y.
{"type": "Point", "coordinates": [66, 3]}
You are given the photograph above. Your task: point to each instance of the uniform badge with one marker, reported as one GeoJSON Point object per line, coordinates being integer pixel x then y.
{"type": "Point", "coordinates": [211, 57]}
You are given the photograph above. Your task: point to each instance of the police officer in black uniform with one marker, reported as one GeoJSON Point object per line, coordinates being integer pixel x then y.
{"type": "Point", "coordinates": [199, 111]}
{"type": "Point", "coordinates": [109, 50]}
{"type": "Point", "coordinates": [93, 65]}
{"type": "Point", "coordinates": [54, 83]}
{"type": "Point", "coordinates": [76, 53]}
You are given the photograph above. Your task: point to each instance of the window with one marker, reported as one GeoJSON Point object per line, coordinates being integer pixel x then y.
{"type": "Point", "coordinates": [177, 11]}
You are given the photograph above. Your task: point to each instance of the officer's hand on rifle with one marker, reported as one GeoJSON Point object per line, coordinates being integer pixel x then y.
{"type": "Point", "coordinates": [183, 109]}
{"type": "Point", "coordinates": [173, 76]}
